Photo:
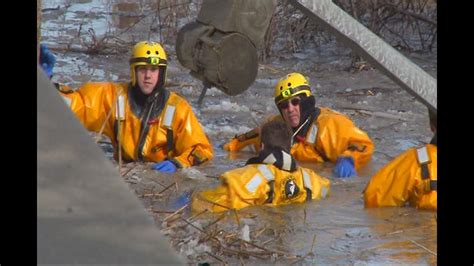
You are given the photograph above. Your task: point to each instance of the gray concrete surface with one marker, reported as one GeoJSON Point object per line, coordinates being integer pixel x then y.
{"type": "Point", "coordinates": [86, 213]}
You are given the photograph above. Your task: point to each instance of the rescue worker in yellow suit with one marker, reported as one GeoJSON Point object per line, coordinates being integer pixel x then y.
{"type": "Point", "coordinates": [273, 177]}
{"type": "Point", "coordinates": [319, 134]}
{"type": "Point", "coordinates": [151, 123]}
{"type": "Point", "coordinates": [411, 178]}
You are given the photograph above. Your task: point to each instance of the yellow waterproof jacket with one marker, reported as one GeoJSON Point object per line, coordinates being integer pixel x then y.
{"type": "Point", "coordinates": [174, 133]}
{"type": "Point", "coordinates": [331, 135]}
{"type": "Point", "coordinates": [409, 178]}
{"type": "Point", "coordinates": [258, 184]}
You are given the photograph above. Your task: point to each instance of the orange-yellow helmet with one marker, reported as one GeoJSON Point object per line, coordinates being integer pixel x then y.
{"type": "Point", "coordinates": [147, 53]}
{"type": "Point", "coordinates": [290, 86]}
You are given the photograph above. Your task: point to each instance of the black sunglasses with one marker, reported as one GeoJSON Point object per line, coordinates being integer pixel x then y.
{"type": "Point", "coordinates": [286, 104]}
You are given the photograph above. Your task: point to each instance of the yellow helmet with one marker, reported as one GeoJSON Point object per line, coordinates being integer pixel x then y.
{"type": "Point", "coordinates": [290, 86]}
{"type": "Point", "coordinates": [147, 53]}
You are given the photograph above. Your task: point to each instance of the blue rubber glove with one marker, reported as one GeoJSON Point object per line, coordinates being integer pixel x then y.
{"type": "Point", "coordinates": [47, 60]}
{"type": "Point", "coordinates": [344, 167]}
{"type": "Point", "coordinates": [165, 167]}
{"type": "Point", "coordinates": [182, 200]}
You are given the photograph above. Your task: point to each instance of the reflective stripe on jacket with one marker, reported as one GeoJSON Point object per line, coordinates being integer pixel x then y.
{"type": "Point", "coordinates": [401, 181]}
{"type": "Point", "coordinates": [92, 103]}
{"type": "Point", "coordinates": [259, 184]}
{"type": "Point", "coordinates": [331, 135]}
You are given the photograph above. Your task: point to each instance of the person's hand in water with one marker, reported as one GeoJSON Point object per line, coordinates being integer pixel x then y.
{"type": "Point", "coordinates": [165, 167]}
{"type": "Point", "coordinates": [344, 167]}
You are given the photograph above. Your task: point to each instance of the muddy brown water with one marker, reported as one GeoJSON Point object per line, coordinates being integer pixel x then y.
{"type": "Point", "coordinates": [338, 230]}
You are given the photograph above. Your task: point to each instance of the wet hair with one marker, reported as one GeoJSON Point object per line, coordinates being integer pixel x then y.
{"type": "Point", "coordinates": [276, 134]}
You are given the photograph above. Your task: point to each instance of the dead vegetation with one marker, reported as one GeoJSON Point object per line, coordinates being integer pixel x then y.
{"type": "Point", "coordinates": [225, 238]}
{"type": "Point", "coordinates": [405, 24]}
{"type": "Point", "coordinates": [409, 25]}
{"type": "Point", "coordinates": [162, 18]}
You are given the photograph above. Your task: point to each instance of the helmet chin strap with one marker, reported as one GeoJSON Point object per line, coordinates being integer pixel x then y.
{"type": "Point", "coordinates": [298, 130]}
{"type": "Point", "coordinates": [156, 91]}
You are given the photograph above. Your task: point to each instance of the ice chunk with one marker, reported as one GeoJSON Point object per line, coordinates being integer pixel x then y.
{"type": "Point", "coordinates": [245, 233]}
{"type": "Point", "coordinates": [187, 90]}
{"type": "Point", "coordinates": [226, 106]}
{"type": "Point", "coordinates": [193, 173]}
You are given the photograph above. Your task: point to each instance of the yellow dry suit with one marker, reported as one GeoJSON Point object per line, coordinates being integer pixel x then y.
{"type": "Point", "coordinates": [409, 178]}
{"type": "Point", "coordinates": [165, 128]}
{"type": "Point", "coordinates": [273, 178]}
{"type": "Point", "coordinates": [324, 136]}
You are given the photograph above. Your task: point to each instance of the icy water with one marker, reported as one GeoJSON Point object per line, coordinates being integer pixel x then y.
{"type": "Point", "coordinates": [336, 231]}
